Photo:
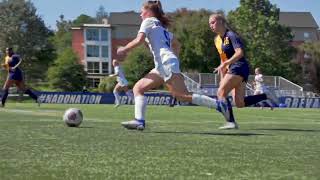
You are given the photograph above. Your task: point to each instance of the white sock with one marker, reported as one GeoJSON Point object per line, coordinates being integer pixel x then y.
{"type": "Point", "coordinates": [116, 97]}
{"type": "Point", "coordinates": [203, 100]}
{"type": "Point", "coordinates": [140, 107]}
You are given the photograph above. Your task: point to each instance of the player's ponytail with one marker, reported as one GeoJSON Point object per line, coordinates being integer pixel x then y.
{"type": "Point", "coordinates": [156, 8]}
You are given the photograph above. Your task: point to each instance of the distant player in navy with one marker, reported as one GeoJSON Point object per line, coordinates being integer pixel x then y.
{"type": "Point", "coordinates": [153, 30]}
{"type": "Point", "coordinates": [15, 76]}
{"type": "Point", "coordinates": [260, 88]}
{"type": "Point", "coordinates": [122, 83]}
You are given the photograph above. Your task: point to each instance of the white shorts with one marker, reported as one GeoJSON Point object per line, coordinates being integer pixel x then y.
{"type": "Point", "coordinates": [122, 82]}
{"type": "Point", "coordinates": [169, 67]}
{"type": "Point", "coordinates": [260, 90]}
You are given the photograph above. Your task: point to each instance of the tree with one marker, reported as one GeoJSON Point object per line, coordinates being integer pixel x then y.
{"type": "Point", "coordinates": [267, 42]}
{"type": "Point", "coordinates": [137, 64]}
{"type": "Point", "coordinates": [83, 19]}
{"type": "Point", "coordinates": [101, 14]}
{"type": "Point", "coordinates": [62, 38]}
{"type": "Point", "coordinates": [67, 74]}
{"type": "Point", "coordinates": [197, 46]}
{"type": "Point", "coordinates": [313, 49]}
{"type": "Point", "coordinates": [22, 29]}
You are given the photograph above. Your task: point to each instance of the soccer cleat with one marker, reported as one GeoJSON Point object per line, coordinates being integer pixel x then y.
{"type": "Point", "coordinates": [272, 96]}
{"type": "Point", "coordinates": [116, 105]}
{"type": "Point", "coordinates": [229, 125]}
{"type": "Point", "coordinates": [38, 101]}
{"type": "Point", "coordinates": [134, 124]}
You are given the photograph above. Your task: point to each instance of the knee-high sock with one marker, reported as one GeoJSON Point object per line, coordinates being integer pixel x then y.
{"type": "Point", "coordinates": [251, 100]}
{"type": "Point", "coordinates": [4, 96]}
{"type": "Point", "coordinates": [140, 107]}
{"type": "Point", "coordinates": [31, 94]}
{"type": "Point", "coordinates": [231, 119]}
{"type": "Point", "coordinates": [116, 97]}
{"type": "Point", "coordinates": [203, 100]}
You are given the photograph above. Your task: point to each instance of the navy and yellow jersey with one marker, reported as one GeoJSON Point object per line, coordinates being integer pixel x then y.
{"type": "Point", "coordinates": [227, 44]}
{"type": "Point", "coordinates": [11, 61]}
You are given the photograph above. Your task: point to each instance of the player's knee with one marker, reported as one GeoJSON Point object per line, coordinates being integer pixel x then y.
{"type": "Point", "coordinates": [138, 90]}
{"type": "Point", "coordinates": [221, 93]}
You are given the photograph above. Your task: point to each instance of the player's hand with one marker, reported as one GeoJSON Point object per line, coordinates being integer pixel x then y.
{"type": "Point", "coordinates": [221, 68]}
{"type": "Point", "coordinates": [121, 51]}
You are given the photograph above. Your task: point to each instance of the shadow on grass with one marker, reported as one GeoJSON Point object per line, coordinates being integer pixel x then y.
{"type": "Point", "coordinates": [286, 129]}
{"type": "Point", "coordinates": [207, 133]}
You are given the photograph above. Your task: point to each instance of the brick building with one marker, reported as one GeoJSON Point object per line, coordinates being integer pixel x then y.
{"type": "Point", "coordinates": [96, 44]}
{"type": "Point", "coordinates": [305, 29]}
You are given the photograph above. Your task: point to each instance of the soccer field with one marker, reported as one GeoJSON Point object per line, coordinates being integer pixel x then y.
{"type": "Point", "coordinates": [179, 143]}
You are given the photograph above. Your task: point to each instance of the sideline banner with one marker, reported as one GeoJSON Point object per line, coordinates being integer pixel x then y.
{"type": "Point", "coordinates": [159, 98]}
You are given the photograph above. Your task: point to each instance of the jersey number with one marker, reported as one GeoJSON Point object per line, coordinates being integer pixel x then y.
{"type": "Point", "coordinates": [167, 36]}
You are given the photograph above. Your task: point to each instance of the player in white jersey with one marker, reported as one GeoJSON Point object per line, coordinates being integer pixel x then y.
{"type": "Point", "coordinates": [154, 31]}
{"type": "Point", "coordinates": [260, 88]}
{"type": "Point", "coordinates": [122, 84]}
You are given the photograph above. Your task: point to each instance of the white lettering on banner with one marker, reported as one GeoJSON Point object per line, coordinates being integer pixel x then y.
{"type": "Point", "coordinates": [48, 98]}
{"type": "Point", "coordinates": [302, 103]}
{"type": "Point", "coordinates": [295, 103]}
{"type": "Point", "coordinates": [288, 102]}
{"type": "Point", "coordinates": [54, 99]}
{"type": "Point", "coordinates": [73, 99]}
{"type": "Point", "coordinates": [309, 103]}
{"type": "Point", "coordinates": [78, 99]}
{"type": "Point", "coordinates": [316, 103]}
{"type": "Point", "coordinates": [60, 99]}
{"type": "Point", "coordinates": [98, 99]}
{"type": "Point", "coordinates": [66, 99]}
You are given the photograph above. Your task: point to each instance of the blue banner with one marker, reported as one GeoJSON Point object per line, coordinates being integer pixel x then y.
{"type": "Point", "coordinates": [159, 98]}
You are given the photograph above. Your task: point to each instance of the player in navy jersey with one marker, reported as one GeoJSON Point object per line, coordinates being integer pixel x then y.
{"type": "Point", "coordinates": [234, 69]}
{"type": "Point", "coordinates": [15, 76]}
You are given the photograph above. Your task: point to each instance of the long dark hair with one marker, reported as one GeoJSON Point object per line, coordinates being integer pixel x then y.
{"type": "Point", "coordinates": [156, 8]}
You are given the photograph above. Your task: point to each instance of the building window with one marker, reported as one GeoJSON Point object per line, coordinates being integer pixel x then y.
{"type": "Point", "coordinates": [105, 51]}
{"type": "Point", "coordinates": [93, 67]}
{"type": "Point", "coordinates": [92, 51]}
{"type": "Point", "coordinates": [306, 35]}
{"type": "Point", "coordinates": [92, 34]}
{"type": "Point", "coordinates": [104, 34]}
{"type": "Point", "coordinates": [105, 67]}
{"type": "Point", "coordinates": [93, 82]}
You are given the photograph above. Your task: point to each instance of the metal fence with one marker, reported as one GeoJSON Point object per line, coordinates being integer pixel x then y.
{"type": "Point", "coordinates": [207, 83]}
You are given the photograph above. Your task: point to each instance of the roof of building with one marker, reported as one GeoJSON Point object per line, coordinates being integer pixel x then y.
{"type": "Point", "coordinates": [125, 18]}
{"type": "Point", "coordinates": [92, 25]}
{"type": "Point", "coordinates": [298, 19]}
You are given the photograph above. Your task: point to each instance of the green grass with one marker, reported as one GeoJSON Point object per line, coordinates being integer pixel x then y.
{"type": "Point", "coordinates": [179, 143]}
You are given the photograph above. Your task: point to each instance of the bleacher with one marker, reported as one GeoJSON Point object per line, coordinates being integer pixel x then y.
{"type": "Point", "coordinates": [207, 83]}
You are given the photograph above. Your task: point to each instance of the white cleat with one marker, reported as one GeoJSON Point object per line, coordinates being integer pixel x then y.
{"type": "Point", "coordinates": [134, 124]}
{"type": "Point", "coordinates": [272, 96]}
{"type": "Point", "coordinates": [116, 105]}
{"type": "Point", "coordinates": [229, 125]}
{"type": "Point", "coordinates": [38, 101]}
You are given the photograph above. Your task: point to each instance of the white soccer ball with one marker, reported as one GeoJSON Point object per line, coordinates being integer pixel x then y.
{"type": "Point", "coordinates": [73, 117]}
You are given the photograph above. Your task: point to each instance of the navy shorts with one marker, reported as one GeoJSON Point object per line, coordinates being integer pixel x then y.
{"type": "Point", "coordinates": [240, 68]}
{"type": "Point", "coordinates": [16, 75]}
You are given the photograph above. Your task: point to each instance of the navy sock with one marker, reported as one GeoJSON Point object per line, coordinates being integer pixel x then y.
{"type": "Point", "coordinates": [230, 111]}
{"type": "Point", "coordinates": [31, 94]}
{"type": "Point", "coordinates": [4, 96]}
{"type": "Point", "coordinates": [251, 100]}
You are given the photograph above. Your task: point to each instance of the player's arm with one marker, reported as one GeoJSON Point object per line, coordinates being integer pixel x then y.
{"type": "Point", "coordinates": [20, 60]}
{"type": "Point", "coordinates": [131, 45]}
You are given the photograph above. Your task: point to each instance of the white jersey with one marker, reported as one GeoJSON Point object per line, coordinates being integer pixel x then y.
{"type": "Point", "coordinates": [120, 75]}
{"type": "Point", "coordinates": [159, 41]}
{"type": "Point", "coordinates": [259, 85]}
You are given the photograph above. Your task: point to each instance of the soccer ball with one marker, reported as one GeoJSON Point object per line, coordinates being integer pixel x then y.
{"type": "Point", "coordinates": [73, 117]}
